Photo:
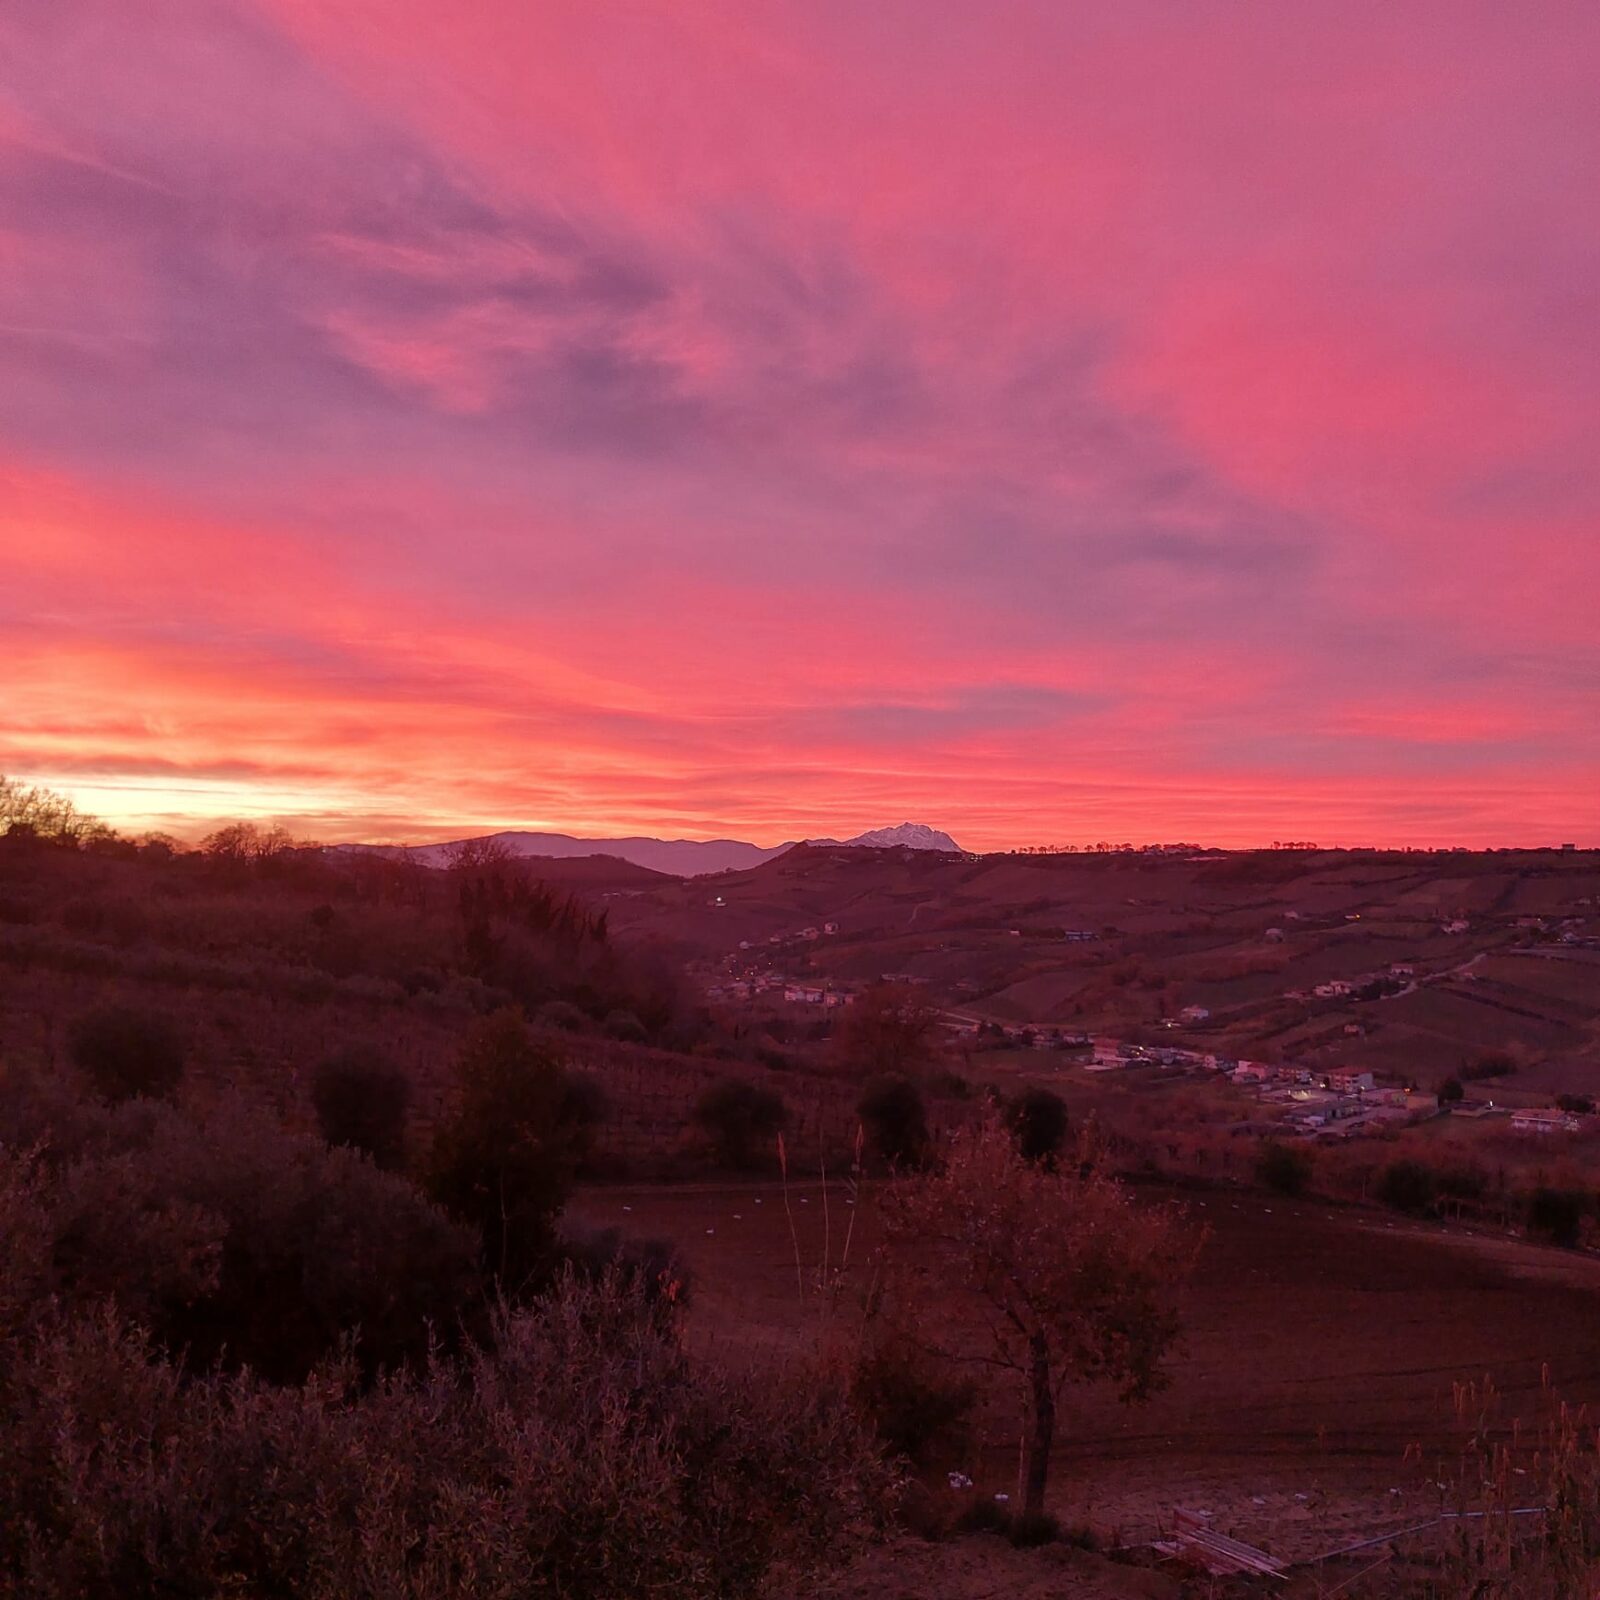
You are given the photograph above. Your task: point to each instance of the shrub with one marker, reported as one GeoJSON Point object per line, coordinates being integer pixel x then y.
{"type": "Point", "coordinates": [361, 1100]}
{"type": "Point", "coordinates": [651, 1268]}
{"type": "Point", "coordinates": [1283, 1168]}
{"type": "Point", "coordinates": [896, 1122]}
{"type": "Point", "coordinates": [918, 1412]}
{"type": "Point", "coordinates": [1037, 1119]}
{"type": "Point", "coordinates": [578, 1452]}
{"type": "Point", "coordinates": [624, 1025]}
{"type": "Point", "coordinates": [1579, 1104]}
{"type": "Point", "coordinates": [234, 1241]}
{"type": "Point", "coordinates": [561, 1014]}
{"type": "Point", "coordinates": [1451, 1092]}
{"type": "Point", "coordinates": [1408, 1186]}
{"type": "Point", "coordinates": [127, 1052]}
{"type": "Point", "coordinates": [735, 1115]}
{"type": "Point", "coordinates": [1558, 1214]}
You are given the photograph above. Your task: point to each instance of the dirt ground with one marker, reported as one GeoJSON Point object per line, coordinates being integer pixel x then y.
{"type": "Point", "coordinates": [1312, 1405]}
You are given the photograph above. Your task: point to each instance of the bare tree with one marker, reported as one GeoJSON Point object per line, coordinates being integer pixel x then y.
{"type": "Point", "coordinates": [44, 814]}
{"type": "Point", "coordinates": [1052, 1275]}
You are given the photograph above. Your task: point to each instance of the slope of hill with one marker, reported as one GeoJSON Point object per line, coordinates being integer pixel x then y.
{"type": "Point", "coordinates": [1416, 964]}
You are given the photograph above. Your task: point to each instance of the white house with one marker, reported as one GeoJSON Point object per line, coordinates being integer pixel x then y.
{"type": "Point", "coordinates": [1543, 1121]}
{"type": "Point", "coordinates": [1195, 1013]}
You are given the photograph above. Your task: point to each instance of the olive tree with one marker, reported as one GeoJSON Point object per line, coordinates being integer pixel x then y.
{"type": "Point", "coordinates": [1051, 1274]}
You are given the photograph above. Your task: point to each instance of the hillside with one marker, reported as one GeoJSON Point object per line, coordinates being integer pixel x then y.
{"type": "Point", "coordinates": [272, 967]}
{"type": "Point", "coordinates": [1448, 955]}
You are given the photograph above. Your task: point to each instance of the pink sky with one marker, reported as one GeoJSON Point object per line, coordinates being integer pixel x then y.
{"type": "Point", "coordinates": [1052, 422]}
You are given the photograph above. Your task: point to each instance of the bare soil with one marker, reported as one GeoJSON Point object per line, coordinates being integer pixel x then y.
{"type": "Point", "coordinates": [1312, 1406]}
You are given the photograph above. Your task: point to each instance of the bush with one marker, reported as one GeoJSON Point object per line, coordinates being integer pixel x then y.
{"type": "Point", "coordinates": [1408, 1186]}
{"type": "Point", "coordinates": [651, 1268]}
{"type": "Point", "coordinates": [231, 1240]}
{"type": "Point", "coordinates": [1283, 1168]}
{"type": "Point", "coordinates": [1451, 1093]}
{"type": "Point", "coordinates": [1558, 1214]}
{"type": "Point", "coordinates": [578, 1452]}
{"type": "Point", "coordinates": [361, 1100]}
{"type": "Point", "coordinates": [917, 1411]}
{"type": "Point", "coordinates": [895, 1119]}
{"type": "Point", "coordinates": [562, 1014]}
{"type": "Point", "coordinates": [1037, 1119]}
{"type": "Point", "coordinates": [624, 1025]}
{"type": "Point", "coordinates": [127, 1052]}
{"type": "Point", "coordinates": [1578, 1104]}
{"type": "Point", "coordinates": [735, 1115]}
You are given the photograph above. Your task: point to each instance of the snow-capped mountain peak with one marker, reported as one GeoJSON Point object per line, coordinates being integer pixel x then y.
{"type": "Point", "coordinates": [906, 836]}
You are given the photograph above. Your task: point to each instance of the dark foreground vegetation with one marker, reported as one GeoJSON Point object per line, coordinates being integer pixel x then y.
{"type": "Point", "coordinates": [290, 1306]}
{"type": "Point", "coordinates": [236, 1361]}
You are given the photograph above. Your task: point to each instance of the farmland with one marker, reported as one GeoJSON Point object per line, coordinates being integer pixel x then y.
{"type": "Point", "coordinates": [1312, 1396]}
{"type": "Point", "coordinates": [1501, 949]}
{"type": "Point", "coordinates": [1322, 1343]}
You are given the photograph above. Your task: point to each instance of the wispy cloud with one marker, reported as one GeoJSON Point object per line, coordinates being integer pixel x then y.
{"type": "Point", "coordinates": [1059, 422]}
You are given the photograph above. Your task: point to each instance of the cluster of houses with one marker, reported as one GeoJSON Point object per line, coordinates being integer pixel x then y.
{"type": "Point", "coordinates": [776, 986]}
{"type": "Point", "coordinates": [1539, 1120]}
{"type": "Point", "coordinates": [804, 935]}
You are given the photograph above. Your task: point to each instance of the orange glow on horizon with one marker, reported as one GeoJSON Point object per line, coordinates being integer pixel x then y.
{"type": "Point", "coordinates": [1050, 425]}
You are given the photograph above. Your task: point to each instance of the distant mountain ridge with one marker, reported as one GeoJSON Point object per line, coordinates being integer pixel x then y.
{"type": "Point", "coordinates": [683, 858]}
{"type": "Point", "coordinates": [904, 836]}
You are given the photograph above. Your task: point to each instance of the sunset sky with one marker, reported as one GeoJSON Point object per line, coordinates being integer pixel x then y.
{"type": "Point", "coordinates": [1051, 422]}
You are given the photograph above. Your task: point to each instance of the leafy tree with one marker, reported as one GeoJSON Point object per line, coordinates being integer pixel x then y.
{"type": "Point", "coordinates": [735, 1116]}
{"type": "Point", "coordinates": [1070, 1281]}
{"type": "Point", "coordinates": [126, 1051]}
{"type": "Point", "coordinates": [895, 1119]}
{"type": "Point", "coordinates": [1558, 1214]}
{"type": "Point", "coordinates": [1451, 1092]}
{"type": "Point", "coordinates": [361, 1100]}
{"type": "Point", "coordinates": [504, 1161]}
{"type": "Point", "coordinates": [887, 1029]}
{"type": "Point", "coordinates": [1038, 1121]}
{"type": "Point", "coordinates": [1283, 1168]}
{"type": "Point", "coordinates": [1408, 1186]}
